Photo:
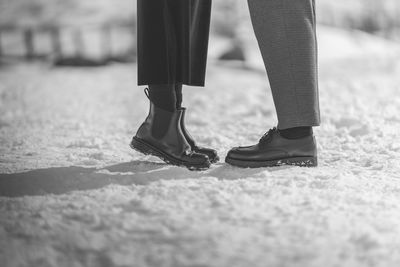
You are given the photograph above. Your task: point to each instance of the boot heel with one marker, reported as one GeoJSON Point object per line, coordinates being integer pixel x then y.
{"type": "Point", "coordinates": [140, 147]}
{"type": "Point", "coordinates": [146, 149]}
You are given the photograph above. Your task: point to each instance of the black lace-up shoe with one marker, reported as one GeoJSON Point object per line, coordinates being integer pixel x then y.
{"type": "Point", "coordinates": [211, 153]}
{"type": "Point", "coordinates": [161, 135]}
{"type": "Point", "coordinates": [275, 150]}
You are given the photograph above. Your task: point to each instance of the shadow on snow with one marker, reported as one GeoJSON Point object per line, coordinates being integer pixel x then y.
{"type": "Point", "coordinates": [60, 180]}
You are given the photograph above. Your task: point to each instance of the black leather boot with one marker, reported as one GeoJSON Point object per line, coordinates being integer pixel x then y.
{"type": "Point", "coordinates": [169, 145]}
{"type": "Point", "coordinates": [274, 150]}
{"type": "Point", "coordinates": [211, 153]}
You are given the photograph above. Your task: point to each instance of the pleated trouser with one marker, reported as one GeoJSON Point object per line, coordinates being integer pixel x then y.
{"type": "Point", "coordinates": [173, 41]}
{"type": "Point", "coordinates": [286, 34]}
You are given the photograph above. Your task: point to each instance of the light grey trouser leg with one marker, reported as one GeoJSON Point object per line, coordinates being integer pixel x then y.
{"type": "Point", "coordinates": [285, 30]}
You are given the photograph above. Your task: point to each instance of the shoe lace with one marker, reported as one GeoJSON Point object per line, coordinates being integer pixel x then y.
{"type": "Point", "coordinates": [267, 136]}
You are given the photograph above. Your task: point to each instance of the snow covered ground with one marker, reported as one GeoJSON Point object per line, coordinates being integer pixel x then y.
{"type": "Point", "coordinates": [72, 192]}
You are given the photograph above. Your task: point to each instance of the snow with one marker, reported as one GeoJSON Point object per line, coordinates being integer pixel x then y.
{"type": "Point", "coordinates": [74, 194]}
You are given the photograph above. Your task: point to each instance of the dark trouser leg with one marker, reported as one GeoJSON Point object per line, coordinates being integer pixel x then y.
{"type": "Point", "coordinates": [285, 30]}
{"type": "Point", "coordinates": [172, 41]}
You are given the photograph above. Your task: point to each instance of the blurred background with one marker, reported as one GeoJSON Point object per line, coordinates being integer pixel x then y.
{"type": "Point", "coordinates": [73, 193]}
{"type": "Point", "coordinates": [91, 33]}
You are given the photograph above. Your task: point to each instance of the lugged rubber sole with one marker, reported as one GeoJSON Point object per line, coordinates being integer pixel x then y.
{"type": "Point", "coordinates": [147, 149]}
{"type": "Point", "coordinates": [295, 161]}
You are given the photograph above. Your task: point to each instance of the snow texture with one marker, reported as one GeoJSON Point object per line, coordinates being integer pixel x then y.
{"type": "Point", "coordinates": [72, 192]}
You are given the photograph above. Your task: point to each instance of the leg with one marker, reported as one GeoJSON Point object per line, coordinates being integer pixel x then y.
{"type": "Point", "coordinates": [165, 34]}
{"type": "Point", "coordinates": [211, 153]}
{"type": "Point", "coordinates": [163, 96]}
{"type": "Point", "coordinates": [285, 30]}
{"type": "Point", "coordinates": [179, 95]}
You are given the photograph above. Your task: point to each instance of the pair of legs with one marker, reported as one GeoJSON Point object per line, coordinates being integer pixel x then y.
{"type": "Point", "coordinates": [172, 50]}
{"type": "Point", "coordinates": [172, 44]}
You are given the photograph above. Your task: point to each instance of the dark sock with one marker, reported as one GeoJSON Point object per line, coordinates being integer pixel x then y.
{"type": "Point", "coordinates": [178, 93]}
{"type": "Point", "coordinates": [296, 132]}
{"type": "Point", "coordinates": [163, 96]}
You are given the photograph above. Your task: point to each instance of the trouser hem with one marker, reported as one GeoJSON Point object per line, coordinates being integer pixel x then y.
{"type": "Point", "coordinates": [298, 121]}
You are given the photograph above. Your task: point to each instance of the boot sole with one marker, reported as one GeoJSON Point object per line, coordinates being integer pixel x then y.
{"type": "Point", "coordinates": [147, 149]}
{"type": "Point", "coordinates": [295, 161]}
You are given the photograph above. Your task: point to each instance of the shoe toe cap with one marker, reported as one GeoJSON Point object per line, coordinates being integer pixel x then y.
{"type": "Point", "coordinates": [241, 153]}
{"type": "Point", "coordinates": [211, 153]}
{"type": "Point", "coordinates": [234, 153]}
{"type": "Point", "coordinates": [200, 159]}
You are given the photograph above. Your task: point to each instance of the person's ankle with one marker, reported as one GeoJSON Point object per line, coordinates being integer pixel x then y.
{"type": "Point", "coordinates": [296, 132]}
{"type": "Point", "coordinates": [163, 96]}
{"type": "Point", "coordinates": [179, 96]}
